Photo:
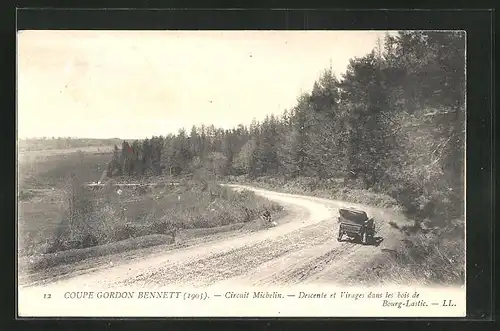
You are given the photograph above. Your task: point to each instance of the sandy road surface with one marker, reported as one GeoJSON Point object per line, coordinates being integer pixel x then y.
{"type": "Point", "coordinates": [303, 249]}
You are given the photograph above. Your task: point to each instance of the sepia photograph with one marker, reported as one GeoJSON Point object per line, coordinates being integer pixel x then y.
{"type": "Point", "coordinates": [241, 173]}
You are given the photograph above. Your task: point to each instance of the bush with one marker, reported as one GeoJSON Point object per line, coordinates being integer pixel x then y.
{"type": "Point", "coordinates": [163, 227]}
{"type": "Point", "coordinates": [122, 232]}
{"type": "Point", "coordinates": [431, 255]}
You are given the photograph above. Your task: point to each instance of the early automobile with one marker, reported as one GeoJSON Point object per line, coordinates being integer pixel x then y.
{"type": "Point", "coordinates": [355, 224]}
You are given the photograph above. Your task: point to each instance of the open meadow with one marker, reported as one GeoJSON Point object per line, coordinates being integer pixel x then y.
{"type": "Point", "coordinates": [62, 221]}
{"type": "Point", "coordinates": [43, 177]}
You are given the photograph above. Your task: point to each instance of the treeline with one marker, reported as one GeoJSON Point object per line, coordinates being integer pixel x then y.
{"type": "Point", "coordinates": [394, 122]}
{"type": "Point", "coordinates": [137, 159]}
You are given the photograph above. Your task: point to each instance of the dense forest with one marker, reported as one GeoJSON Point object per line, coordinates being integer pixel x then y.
{"type": "Point", "coordinates": [394, 122]}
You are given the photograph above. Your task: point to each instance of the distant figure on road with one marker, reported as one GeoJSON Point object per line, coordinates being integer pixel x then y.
{"type": "Point", "coordinates": [267, 215]}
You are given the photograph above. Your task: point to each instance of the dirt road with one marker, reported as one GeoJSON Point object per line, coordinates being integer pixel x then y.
{"type": "Point", "coordinates": [303, 249]}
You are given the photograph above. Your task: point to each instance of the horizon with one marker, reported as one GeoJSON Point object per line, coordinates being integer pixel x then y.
{"type": "Point", "coordinates": [138, 84]}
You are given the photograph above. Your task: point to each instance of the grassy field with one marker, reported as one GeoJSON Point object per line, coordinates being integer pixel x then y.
{"type": "Point", "coordinates": [64, 144]}
{"type": "Point", "coordinates": [112, 220]}
{"type": "Point", "coordinates": [43, 178]}
{"type": "Point", "coordinates": [49, 169]}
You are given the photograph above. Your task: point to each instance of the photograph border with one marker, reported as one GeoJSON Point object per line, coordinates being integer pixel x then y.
{"type": "Point", "coordinates": [480, 147]}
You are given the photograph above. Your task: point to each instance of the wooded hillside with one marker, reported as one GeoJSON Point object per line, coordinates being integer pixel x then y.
{"type": "Point", "coordinates": [394, 122]}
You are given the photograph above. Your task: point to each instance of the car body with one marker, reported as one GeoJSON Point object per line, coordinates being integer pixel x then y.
{"type": "Point", "coordinates": [355, 224]}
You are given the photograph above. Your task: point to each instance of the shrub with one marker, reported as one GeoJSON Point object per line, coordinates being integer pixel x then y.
{"type": "Point", "coordinates": [432, 255]}
{"type": "Point", "coordinates": [123, 231]}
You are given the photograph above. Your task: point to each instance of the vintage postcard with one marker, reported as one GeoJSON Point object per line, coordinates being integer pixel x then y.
{"type": "Point", "coordinates": [241, 173]}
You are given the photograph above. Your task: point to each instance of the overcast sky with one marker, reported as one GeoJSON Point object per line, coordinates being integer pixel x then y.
{"type": "Point", "coordinates": [131, 84]}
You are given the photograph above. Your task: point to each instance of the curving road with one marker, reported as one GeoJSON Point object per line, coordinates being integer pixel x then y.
{"type": "Point", "coordinates": [301, 249]}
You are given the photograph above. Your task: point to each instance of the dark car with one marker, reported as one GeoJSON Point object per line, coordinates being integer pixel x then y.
{"type": "Point", "coordinates": [356, 224]}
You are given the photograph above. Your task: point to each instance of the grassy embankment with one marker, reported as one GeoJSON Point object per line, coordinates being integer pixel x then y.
{"type": "Point", "coordinates": [426, 255]}
{"type": "Point", "coordinates": [104, 222]}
